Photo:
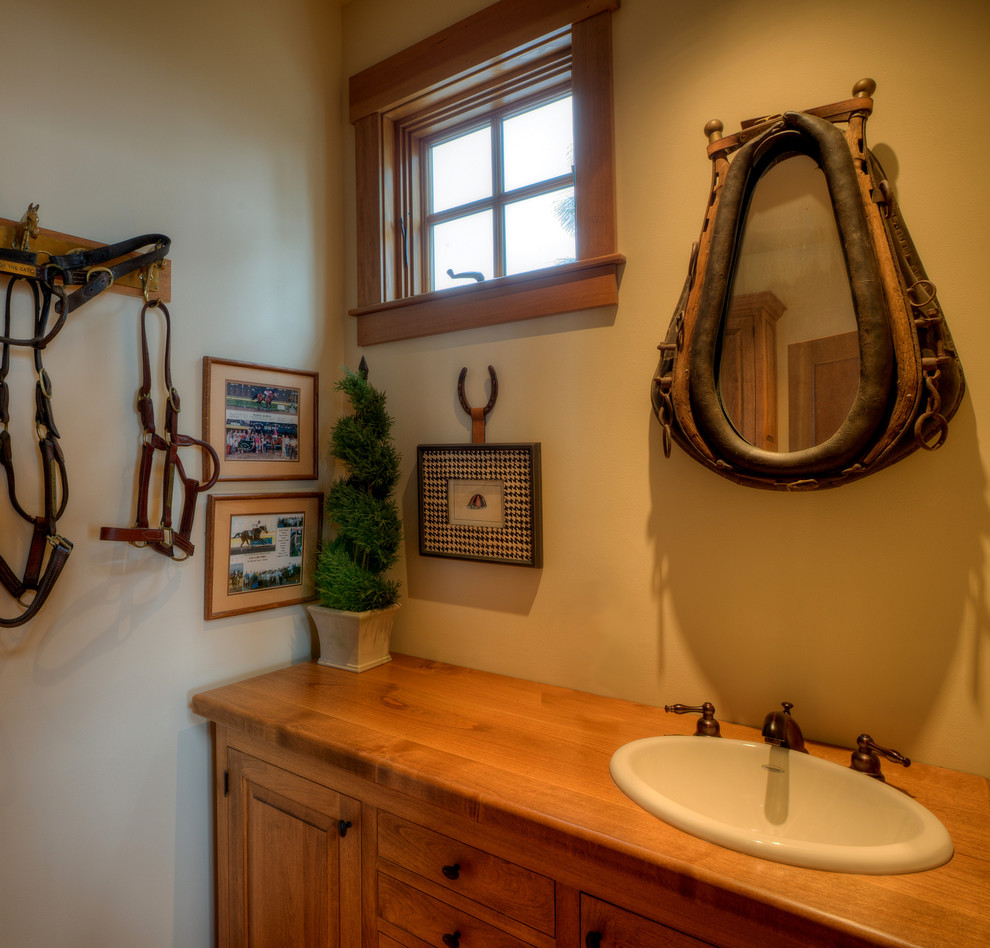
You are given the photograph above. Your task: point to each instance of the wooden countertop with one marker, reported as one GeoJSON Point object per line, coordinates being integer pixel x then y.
{"type": "Point", "coordinates": [517, 755]}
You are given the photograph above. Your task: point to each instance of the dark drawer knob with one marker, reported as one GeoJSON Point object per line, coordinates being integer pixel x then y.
{"type": "Point", "coordinates": [593, 939]}
{"type": "Point", "coordinates": [452, 941]}
{"type": "Point", "coordinates": [452, 872]}
{"type": "Point", "coordinates": [343, 826]}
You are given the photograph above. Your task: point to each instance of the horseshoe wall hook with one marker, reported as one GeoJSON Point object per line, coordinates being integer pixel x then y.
{"type": "Point", "coordinates": [478, 415]}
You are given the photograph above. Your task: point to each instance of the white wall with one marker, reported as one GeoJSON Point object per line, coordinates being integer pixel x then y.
{"type": "Point", "coordinates": [218, 124]}
{"type": "Point", "coordinates": [866, 606]}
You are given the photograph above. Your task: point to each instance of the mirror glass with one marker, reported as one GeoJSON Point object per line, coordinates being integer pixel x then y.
{"type": "Point", "coordinates": [788, 368]}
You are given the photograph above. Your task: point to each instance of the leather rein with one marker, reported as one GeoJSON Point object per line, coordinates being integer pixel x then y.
{"type": "Point", "coordinates": [165, 538]}
{"type": "Point", "coordinates": [48, 276]}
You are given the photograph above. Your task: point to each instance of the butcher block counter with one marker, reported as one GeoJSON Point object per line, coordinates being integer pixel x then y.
{"type": "Point", "coordinates": [421, 803]}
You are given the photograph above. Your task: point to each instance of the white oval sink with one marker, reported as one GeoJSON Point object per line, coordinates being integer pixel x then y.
{"type": "Point", "coordinates": [780, 805]}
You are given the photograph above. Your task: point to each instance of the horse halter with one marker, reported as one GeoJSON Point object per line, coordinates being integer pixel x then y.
{"type": "Point", "coordinates": [164, 538]}
{"type": "Point", "coordinates": [47, 277]}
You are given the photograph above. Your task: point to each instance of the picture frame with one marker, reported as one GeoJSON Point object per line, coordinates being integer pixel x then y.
{"type": "Point", "coordinates": [260, 551]}
{"type": "Point", "coordinates": [261, 420]}
{"type": "Point", "coordinates": [481, 502]}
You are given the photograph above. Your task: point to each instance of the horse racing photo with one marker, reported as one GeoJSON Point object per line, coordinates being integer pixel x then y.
{"type": "Point", "coordinates": [265, 551]}
{"type": "Point", "coordinates": [261, 422]}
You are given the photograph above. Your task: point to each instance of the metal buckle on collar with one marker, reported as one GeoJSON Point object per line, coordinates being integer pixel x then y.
{"type": "Point", "coordinates": [91, 270]}
{"type": "Point", "coordinates": [59, 543]}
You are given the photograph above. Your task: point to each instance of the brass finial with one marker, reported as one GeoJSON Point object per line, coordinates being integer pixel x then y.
{"type": "Point", "coordinates": [865, 88]}
{"type": "Point", "coordinates": [714, 130]}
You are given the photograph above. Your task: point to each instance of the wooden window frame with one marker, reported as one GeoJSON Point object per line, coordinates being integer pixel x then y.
{"type": "Point", "coordinates": [512, 48]}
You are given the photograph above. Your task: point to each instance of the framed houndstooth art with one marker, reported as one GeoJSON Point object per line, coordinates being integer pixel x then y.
{"type": "Point", "coordinates": [481, 502]}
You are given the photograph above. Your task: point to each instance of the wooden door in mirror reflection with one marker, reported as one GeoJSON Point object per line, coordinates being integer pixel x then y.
{"type": "Point", "coordinates": [823, 377]}
{"type": "Point", "coordinates": [748, 367]}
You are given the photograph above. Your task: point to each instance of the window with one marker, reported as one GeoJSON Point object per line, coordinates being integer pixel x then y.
{"type": "Point", "coordinates": [485, 181]}
{"type": "Point", "coordinates": [500, 196]}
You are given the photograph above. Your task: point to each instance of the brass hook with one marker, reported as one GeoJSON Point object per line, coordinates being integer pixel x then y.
{"type": "Point", "coordinates": [149, 280]}
{"type": "Point", "coordinates": [478, 415]}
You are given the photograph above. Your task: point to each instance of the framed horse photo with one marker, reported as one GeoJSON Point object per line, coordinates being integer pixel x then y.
{"type": "Point", "coordinates": [260, 551]}
{"type": "Point", "coordinates": [261, 420]}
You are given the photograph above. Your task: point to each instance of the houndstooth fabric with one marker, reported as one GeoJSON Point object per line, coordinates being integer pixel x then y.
{"type": "Point", "coordinates": [514, 467]}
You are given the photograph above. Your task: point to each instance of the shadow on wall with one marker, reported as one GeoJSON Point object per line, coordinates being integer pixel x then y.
{"type": "Point", "coordinates": [194, 878]}
{"type": "Point", "coordinates": [492, 587]}
{"type": "Point", "coordinates": [848, 602]}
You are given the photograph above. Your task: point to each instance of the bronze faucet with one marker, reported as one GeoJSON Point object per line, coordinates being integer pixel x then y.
{"type": "Point", "coordinates": [781, 729]}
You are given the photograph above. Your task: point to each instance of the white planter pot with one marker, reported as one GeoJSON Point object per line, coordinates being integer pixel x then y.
{"type": "Point", "coordinates": [355, 641]}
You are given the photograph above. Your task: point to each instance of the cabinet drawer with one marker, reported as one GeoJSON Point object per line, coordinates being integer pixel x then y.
{"type": "Point", "coordinates": [511, 890]}
{"type": "Point", "coordinates": [429, 919]}
{"type": "Point", "coordinates": [618, 927]}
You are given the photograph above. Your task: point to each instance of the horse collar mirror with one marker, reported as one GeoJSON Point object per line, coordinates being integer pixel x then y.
{"type": "Point", "coordinates": [808, 347]}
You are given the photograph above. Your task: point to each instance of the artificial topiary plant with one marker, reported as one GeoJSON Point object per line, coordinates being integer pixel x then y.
{"type": "Point", "coordinates": [350, 569]}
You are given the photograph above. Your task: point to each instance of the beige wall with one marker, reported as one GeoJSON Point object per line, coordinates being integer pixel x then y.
{"type": "Point", "coordinates": [218, 124]}
{"type": "Point", "coordinates": [866, 606]}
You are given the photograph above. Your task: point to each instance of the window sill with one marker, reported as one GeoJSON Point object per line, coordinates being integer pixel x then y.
{"type": "Point", "coordinates": [585, 284]}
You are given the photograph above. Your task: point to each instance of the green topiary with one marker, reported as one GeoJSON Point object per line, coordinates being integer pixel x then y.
{"type": "Point", "coordinates": [361, 505]}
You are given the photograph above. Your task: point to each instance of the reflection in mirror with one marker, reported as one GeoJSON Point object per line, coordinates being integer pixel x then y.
{"type": "Point", "coordinates": [789, 363]}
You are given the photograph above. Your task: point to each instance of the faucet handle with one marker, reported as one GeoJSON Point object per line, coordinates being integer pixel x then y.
{"type": "Point", "coordinates": [707, 725]}
{"type": "Point", "coordinates": [866, 761]}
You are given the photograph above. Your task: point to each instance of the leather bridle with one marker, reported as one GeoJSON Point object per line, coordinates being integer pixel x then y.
{"type": "Point", "coordinates": [164, 538]}
{"type": "Point", "coordinates": [48, 276]}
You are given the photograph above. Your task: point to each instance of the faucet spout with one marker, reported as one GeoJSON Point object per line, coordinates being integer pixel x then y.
{"type": "Point", "coordinates": [781, 729]}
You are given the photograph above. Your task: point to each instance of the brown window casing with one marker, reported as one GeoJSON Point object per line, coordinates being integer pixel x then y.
{"type": "Point", "coordinates": [505, 54]}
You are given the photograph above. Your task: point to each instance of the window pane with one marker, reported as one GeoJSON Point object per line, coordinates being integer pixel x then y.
{"type": "Point", "coordinates": [539, 232]}
{"type": "Point", "coordinates": [463, 244]}
{"type": "Point", "coordinates": [539, 144]}
{"type": "Point", "coordinates": [461, 170]}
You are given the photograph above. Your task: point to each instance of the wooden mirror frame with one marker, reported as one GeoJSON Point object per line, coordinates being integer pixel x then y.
{"type": "Point", "coordinates": [910, 378]}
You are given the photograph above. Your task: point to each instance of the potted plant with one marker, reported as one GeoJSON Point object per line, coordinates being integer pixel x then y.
{"type": "Point", "coordinates": [357, 600]}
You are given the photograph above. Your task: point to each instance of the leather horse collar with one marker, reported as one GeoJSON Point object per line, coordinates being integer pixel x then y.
{"type": "Point", "coordinates": [165, 538]}
{"type": "Point", "coordinates": [93, 271]}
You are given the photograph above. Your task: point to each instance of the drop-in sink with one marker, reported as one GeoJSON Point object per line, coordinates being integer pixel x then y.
{"type": "Point", "coordinates": [780, 805]}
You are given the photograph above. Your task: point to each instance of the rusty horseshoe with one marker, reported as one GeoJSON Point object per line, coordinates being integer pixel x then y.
{"type": "Point", "coordinates": [478, 415]}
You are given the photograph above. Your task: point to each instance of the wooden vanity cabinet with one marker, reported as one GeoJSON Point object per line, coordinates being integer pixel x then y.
{"type": "Point", "coordinates": [420, 805]}
{"type": "Point", "coordinates": [302, 865]}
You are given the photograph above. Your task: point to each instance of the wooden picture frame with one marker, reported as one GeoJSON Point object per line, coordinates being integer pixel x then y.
{"type": "Point", "coordinates": [481, 502]}
{"type": "Point", "coordinates": [260, 551]}
{"type": "Point", "coordinates": [261, 420]}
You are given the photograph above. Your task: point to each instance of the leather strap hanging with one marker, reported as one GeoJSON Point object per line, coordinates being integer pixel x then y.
{"type": "Point", "coordinates": [48, 276]}
{"type": "Point", "coordinates": [39, 577]}
{"type": "Point", "coordinates": [165, 538]}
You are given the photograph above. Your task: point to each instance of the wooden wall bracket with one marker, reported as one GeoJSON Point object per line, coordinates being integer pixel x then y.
{"type": "Point", "coordinates": [14, 233]}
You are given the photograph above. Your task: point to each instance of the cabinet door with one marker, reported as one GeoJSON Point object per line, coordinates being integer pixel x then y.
{"type": "Point", "coordinates": [294, 863]}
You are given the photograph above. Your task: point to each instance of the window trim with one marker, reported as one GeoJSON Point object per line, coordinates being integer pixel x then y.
{"type": "Point", "coordinates": [431, 70]}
